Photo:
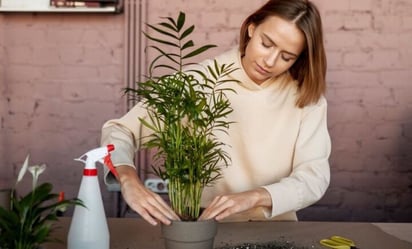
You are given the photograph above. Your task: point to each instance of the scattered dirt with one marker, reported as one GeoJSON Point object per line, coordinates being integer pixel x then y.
{"type": "Point", "coordinates": [267, 245]}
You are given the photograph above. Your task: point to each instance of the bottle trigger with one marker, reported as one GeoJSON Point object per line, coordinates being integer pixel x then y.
{"type": "Point", "coordinates": [108, 162]}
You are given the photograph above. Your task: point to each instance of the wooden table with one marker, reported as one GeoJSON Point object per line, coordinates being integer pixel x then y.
{"type": "Point", "coordinates": [135, 233]}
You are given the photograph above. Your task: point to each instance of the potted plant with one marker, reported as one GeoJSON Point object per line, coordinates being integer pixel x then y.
{"type": "Point", "coordinates": [28, 222]}
{"type": "Point", "coordinates": [185, 109]}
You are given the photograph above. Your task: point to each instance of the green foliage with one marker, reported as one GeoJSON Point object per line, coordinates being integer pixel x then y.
{"type": "Point", "coordinates": [29, 221]}
{"type": "Point", "coordinates": [186, 109]}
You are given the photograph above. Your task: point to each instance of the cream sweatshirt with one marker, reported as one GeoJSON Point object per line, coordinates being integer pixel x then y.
{"type": "Point", "coordinates": [272, 144]}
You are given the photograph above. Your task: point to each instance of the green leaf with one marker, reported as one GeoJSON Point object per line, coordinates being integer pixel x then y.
{"type": "Point", "coordinates": [187, 32]}
{"type": "Point", "coordinates": [181, 21]}
{"type": "Point", "coordinates": [171, 20]}
{"type": "Point", "coordinates": [163, 32]}
{"type": "Point", "coordinates": [169, 26]}
{"type": "Point", "coordinates": [161, 41]}
{"type": "Point", "coordinates": [188, 44]}
{"type": "Point", "coordinates": [169, 56]}
{"type": "Point", "coordinates": [198, 51]}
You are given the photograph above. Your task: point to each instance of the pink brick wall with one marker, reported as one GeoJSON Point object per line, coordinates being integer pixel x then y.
{"type": "Point", "coordinates": [61, 78]}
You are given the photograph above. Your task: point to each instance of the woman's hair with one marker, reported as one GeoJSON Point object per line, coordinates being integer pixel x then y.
{"type": "Point", "coordinates": [309, 70]}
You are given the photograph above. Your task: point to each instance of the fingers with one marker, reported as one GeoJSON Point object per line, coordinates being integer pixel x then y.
{"type": "Point", "coordinates": [165, 208]}
{"type": "Point", "coordinates": [148, 208]}
{"type": "Point", "coordinates": [220, 208]}
{"type": "Point", "coordinates": [226, 205]}
{"type": "Point", "coordinates": [148, 204]}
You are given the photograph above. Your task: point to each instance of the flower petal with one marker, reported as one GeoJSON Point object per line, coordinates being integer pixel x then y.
{"type": "Point", "coordinates": [23, 169]}
{"type": "Point", "coordinates": [36, 170]}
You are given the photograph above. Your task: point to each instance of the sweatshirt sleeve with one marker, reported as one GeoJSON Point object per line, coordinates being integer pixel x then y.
{"type": "Point", "coordinates": [125, 134]}
{"type": "Point", "coordinates": [310, 175]}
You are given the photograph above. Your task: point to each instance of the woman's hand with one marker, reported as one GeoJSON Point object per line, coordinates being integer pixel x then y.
{"type": "Point", "coordinates": [226, 205]}
{"type": "Point", "coordinates": [145, 202]}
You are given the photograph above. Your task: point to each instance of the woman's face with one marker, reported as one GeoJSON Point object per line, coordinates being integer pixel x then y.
{"type": "Point", "coordinates": [274, 46]}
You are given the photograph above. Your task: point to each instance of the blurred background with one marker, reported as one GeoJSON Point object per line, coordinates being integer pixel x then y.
{"type": "Point", "coordinates": [62, 75]}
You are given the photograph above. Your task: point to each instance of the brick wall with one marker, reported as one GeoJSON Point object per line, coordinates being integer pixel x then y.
{"type": "Point", "coordinates": [3, 110]}
{"type": "Point", "coordinates": [370, 110]}
{"type": "Point", "coordinates": [61, 79]}
{"type": "Point", "coordinates": [59, 85]}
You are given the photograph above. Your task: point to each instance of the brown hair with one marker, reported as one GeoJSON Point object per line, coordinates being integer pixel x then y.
{"type": "Point", "coordinates": [309, 70]}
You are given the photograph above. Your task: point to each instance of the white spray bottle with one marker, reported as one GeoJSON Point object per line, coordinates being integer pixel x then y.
{"type": "Point", "coordinates": [88, 228]}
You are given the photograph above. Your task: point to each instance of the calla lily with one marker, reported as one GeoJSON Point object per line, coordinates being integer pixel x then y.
{"type": "Point", "coordinates": [29, 221]}
{"type": "Point", "coordinates": [36, 170]}
{"type": "Point", "coordinates": [23, 169]}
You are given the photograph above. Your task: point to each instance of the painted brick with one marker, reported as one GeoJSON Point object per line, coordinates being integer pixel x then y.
{"type": "Point", "coordinates": [407, 130]}
{"type": "Point", "coordinates": [396, 79]}
{"type": "Point", "coordinates": [389, 23]}
{"type": "Point", "coordinates": [19, 54]}
{"type": "Point", "coordinates": [406, 58]}
{"type": "Point", "coordinates": [332, 199]}
{"type": "Point", "coordinates": [348, 113]}
{"type": "Point", "coordinates": [340, 41]}
{"type": "Point", "coordinates": [387, 113]}
{"type": "Point", "coordinates": [402, 97]}
{"type": "Point", "coordinates": [334, 60]}
{"type": "Point", "coordinates": [378, 96]}
{"type": "Point", "coordinates": [377, 146]}
{"type": "Point", "coordinates": [361, 5]}
{"type": "Point", "coordinates": [333, 21]}
{"type": "Point", "coordinates": [216, 19]}
{"type": "Point", "coordinates": [405, 39]}
{"type": "Point", "coordinates": [407, 23]}
{"type": "Point", "coordinates": [235, 19]}
{"type": "Point", "coordinates": [376, 40]}
{"type": "Point", "coordinates": [359, 200]}
{"type": "Point", "coordinates": [388, 131]}
{"type": "Point", "coordinates": [349, 162]}
{"type": "Point", "coordinates": [383, 164]}
{"type": "Point", "coordinates": [342, 5]}
{"type": "Point", "coordinates": [386, 59]}
{"type": "Point", "coordinates": [22, 73]}
{"type": "Point", "coordinates": [17, 121]}
{"type": "Point", "coordinates": [357, 59]}
{"type": "Point", "coordinates": [71, 55]}
{"type": "Point", "coordinates": [228, 39]}
{"type": "Point", "coordinates": [109, 73]}
{"type": "Point", "coordinates": [77, 72]}
{"type": "Point", "coordinates": [402, 7]}
{"type": "Point", "coordinates": [342, 180]}
{"type": "Point", "coordinates": [358, 21]}
{"type": "Point", "coordinates": [381, 182]}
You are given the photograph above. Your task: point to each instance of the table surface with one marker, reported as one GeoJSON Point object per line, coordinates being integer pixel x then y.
{"type": "Point", "coordinates": [130, 233]}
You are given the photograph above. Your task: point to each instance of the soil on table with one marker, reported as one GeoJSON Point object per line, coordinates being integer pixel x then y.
{"type": "Point", "coordinates": [267, 245]}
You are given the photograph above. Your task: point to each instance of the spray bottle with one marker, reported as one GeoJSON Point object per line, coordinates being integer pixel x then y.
{"type": "Point", "coordinates": [88, 228]}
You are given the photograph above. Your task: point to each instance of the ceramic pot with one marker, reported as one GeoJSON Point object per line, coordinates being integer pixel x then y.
{"type": "Point", "coordinates": [190, 234]}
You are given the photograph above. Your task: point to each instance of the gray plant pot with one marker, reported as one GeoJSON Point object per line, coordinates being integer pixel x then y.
{"type": "Point", "coordinates": [190, 234]}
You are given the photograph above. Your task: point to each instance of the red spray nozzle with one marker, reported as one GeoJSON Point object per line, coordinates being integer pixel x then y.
{"type": "Point", "coordinates": [110, 147]}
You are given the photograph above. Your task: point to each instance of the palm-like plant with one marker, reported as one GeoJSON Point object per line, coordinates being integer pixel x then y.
{"type": "Point", "coordinates": [185, 109]}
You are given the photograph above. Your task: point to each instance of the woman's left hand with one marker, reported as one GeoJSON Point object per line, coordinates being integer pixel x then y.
{"type": "Point", "coordinates": [225, 205]}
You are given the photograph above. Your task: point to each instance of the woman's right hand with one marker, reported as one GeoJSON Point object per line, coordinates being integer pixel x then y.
{"type": "Point", "coordinates": [145, 202]}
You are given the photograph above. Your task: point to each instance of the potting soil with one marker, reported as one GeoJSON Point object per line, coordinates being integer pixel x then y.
{"type": "Point", "coordinates": [267, 245]}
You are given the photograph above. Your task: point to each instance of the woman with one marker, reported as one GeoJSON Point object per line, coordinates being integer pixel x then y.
{"type": "Point", "coordinates": [279, 143]}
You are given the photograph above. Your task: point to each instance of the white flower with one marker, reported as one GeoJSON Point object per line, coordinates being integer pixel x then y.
{"type": "Point", "coordinates": [36, 170]}
{"type": "Point", "coordinates": [23, 169]}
